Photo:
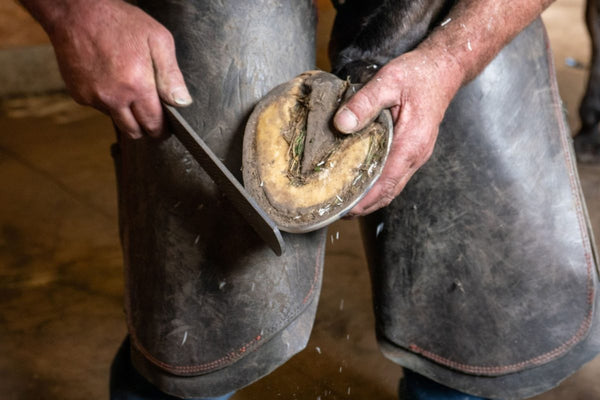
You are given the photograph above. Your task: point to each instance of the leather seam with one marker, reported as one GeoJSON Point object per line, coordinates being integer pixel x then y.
{"type": "Point", "coordinates": [587, 322]}
{"type": "Point", "coordinates": [233, 355]}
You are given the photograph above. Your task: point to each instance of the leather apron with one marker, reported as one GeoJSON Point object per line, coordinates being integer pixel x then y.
{"type": "Point", "coordinates": [209, 307]}
{"type": "Point", "coordinates": [483, 270]}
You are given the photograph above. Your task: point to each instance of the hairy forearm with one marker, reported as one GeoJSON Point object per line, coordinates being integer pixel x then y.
{"type": "Point", "coordinates": [61, 14]}
{"type": "Point", "coordinates": [48, 13]}
{"type": "Point", "coordinates": [115, 57]}
{"type": "Point", "coordinates": [417, 86]}
{"type": "Point", "coordinates": [476, 30]}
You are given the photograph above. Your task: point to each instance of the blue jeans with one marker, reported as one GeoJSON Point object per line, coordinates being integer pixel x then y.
{"type": "Point", "coordinates": [127, 384]}
{"type": "Point", "coordinates": [417, 387]}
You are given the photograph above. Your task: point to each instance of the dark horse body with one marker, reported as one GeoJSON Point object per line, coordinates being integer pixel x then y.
{"type": "Point", "coordinates": [381, 31]}
{"type": "Point", "coordinates": [587, 141]}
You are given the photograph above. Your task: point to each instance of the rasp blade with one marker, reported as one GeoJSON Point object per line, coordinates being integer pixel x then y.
{"type": "Point", "coordinates": [225, 181]}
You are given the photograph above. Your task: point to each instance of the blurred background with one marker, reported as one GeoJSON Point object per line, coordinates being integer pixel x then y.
{"type": "Point", "coordinates": [61, 314]}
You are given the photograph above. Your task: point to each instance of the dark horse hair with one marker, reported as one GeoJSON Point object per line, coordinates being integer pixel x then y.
{"type": "Point", "coordinates": [368, 34]}
{"type": "Point", "coordinates": [587, 141]}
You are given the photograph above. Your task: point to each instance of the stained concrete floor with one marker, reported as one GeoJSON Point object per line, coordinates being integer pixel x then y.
{"type": "Point", "coordinates": [61, 316]}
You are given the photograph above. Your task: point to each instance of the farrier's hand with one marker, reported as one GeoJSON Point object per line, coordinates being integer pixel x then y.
{"type": "Point", "coordinates": [118, 59]}
{"type": "Point", "coordinates": [417, 88]}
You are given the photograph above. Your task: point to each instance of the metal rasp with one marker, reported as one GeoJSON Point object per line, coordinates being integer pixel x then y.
{"type": "Point", "coordinates": [225, 181]}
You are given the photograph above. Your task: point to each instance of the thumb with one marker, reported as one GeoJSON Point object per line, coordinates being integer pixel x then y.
{"type": "Point", "coordinates": [363, 107]}
{"type": "Point", "coordinates": [169, 80]}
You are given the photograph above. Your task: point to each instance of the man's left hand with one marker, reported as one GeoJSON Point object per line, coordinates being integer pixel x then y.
{"type": "Point", "coordinates": [417, 88]}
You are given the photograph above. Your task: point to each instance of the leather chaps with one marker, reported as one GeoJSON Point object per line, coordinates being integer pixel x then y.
{"type": "Point", "coordinates": [483, 269]}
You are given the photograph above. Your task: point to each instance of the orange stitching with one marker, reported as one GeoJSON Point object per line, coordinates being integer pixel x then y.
{"type": "Point", "coordinates": [481, 370]}
{"type": "Point", "coordinates": [585, 325]}
{"type": "Point", "coordinates": [231, 356]}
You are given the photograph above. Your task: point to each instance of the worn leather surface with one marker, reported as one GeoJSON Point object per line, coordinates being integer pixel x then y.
{"type": "Point", "coordinates": [483, 272]}
{"type": "Point", "coordinates": [204, 294]}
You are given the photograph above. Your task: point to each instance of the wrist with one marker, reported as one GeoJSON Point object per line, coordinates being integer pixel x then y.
{"type": "Point", "coordinates": [58, 14]}
{"type": "Point", "coordinates": [47, 13]}
{"type": "Point", "coordinates": [450, 73]}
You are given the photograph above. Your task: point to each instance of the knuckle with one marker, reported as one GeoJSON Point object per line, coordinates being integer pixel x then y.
{"type": "Point", "coordinates": [374, 97]}
{"type": "Point", "coordinates": [126, 129]}
{"type": "Point", "coordinates": [427, 153]}
{"type": "Point", "coordinates": [152, 125]}
{"type": "Point", "coordinates": [107, 98]}
{"type": "Point", "coordinates": [418, 152]}
{"type": "Point", "coordinates": [365, 100]}
{"type": "Point", "coordinates": [382, 203]}
{"type": "Point", "coordinates": [170, 76]}
{"type": "Point", "coordinates": [131, 86]}
{"type": "Point", "coordinates": [144, 91]}
{"type": "Point", "coordinates": [165, 38]}
{"type": "Point", "coordinates": [393, 72]}
{"type": "Point", "coordinates": [135, 77]}
{"type": "Point", "coordinates": [389, 190]}
{"type": "Point", "coordinates": [385, 201]}
{"type": "Point", "coordinates": [133, 134]}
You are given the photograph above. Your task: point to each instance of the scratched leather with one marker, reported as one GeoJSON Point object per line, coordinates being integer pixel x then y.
{"type": "Point", "coordinates": [203, 291]}
{"type": "Point", "coordinates": [484, 264]}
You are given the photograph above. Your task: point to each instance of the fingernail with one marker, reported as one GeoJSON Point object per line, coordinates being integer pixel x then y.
{"type": "Point", "coordinates": [346, 121]}
{"type": "Point", "coordinates": [181, 97]}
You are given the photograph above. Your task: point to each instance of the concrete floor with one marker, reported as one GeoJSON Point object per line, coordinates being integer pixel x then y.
{"type": "Point", "coordinates": [61, 317]}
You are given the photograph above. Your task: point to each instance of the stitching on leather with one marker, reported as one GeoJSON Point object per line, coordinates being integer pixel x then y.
{"type": "Point", "coordinates": [587, 322]}
{"type": "Point", "coordinates": [234, 355]}
{"type": "Point", "coordinates": [483, 370]}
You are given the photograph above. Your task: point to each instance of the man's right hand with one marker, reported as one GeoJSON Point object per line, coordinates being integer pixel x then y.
{"type": "Point", "coordinates": [116, 58]}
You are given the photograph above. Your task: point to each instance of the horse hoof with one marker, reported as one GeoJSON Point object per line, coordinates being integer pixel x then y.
{"type": "Point", "coordinates": [302, 171]}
